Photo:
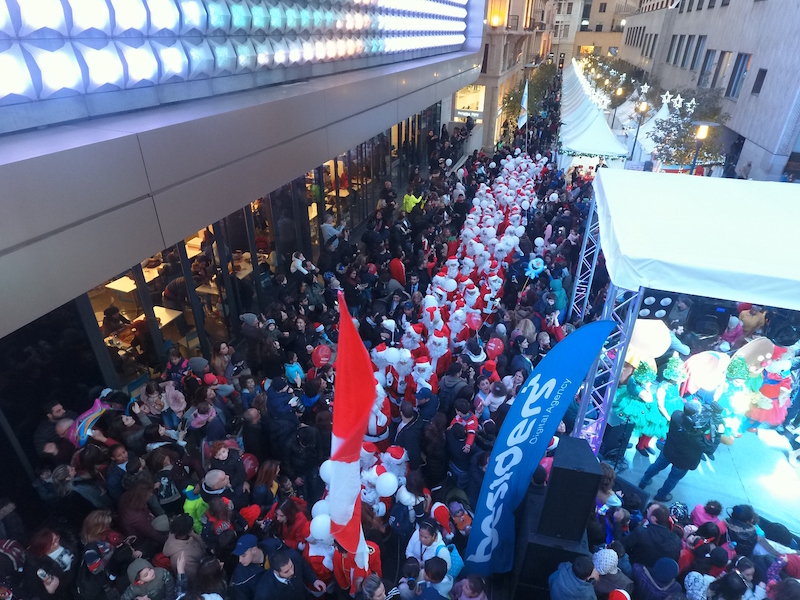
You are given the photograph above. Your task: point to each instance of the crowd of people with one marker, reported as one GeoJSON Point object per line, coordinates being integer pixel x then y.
{"type": "Point", "coordinates": [657, 553]}
{"type": "Point", "coordinates": [212, 482]}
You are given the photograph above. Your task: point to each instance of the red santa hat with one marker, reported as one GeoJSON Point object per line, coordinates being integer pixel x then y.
{"type": "Point", "coordinates": [418, 328]}
{"type": "Point", "coordinates": [380, 348]}
{"type": "Point", "coordinates": [319, 327]}
{"type": "Point", "coordinates": [368, 449]}
{"type": "Point", "coordinates": [439, 333]}
{"type": "Point", "coordinates": [778, 352]}
{"type": "Point", "coordinates": [422, 360]}
{"type": "Point", "coordinates": [441, 515]}
{"type": "Point", "coordinates": [394, 455]}
{"type": "Point", "coordinates": [553, 444]}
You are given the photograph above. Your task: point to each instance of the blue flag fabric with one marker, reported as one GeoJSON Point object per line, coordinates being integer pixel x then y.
{"type": "Point", "coordinates": [523, 439]}
{"type": "Point", "coordinates": [523, 115]}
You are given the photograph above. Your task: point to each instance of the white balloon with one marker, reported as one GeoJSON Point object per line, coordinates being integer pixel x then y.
{"type": "Point", "coordinates": [386, 485]}
{"type": "Point", "coordinates": [517, 152]}
{"type": "Point", "coordinates": [476, 202]}
{"type": "Point", "coordinates": [326, 471]}
{"type": "Point", "coordinates": [449, 286]}
{"type": "Point", "coordinates": [322, 507]}
{"type": "Point", "coordinates": [321, 527]}
{"type": "Point", "coordinates": [538, 242]}
{"type": "Point", "coordinates": [554, 197]}
{"type": "Point", "coordinates": [520, 231]}
{"type": "Point", "coordinates": [538, 156]}
{"type": "Point", "coordinates": [525, 205]}
{"type": "Point", "coordinates": [492, 165]}
{"type": "Point", "coordinates": [449, 162]}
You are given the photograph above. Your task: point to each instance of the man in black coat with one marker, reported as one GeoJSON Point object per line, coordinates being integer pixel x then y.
{"type": "Point", "coordinates": [409, 434]}
{"type": "Point", "coordinates": [254, 435]}
{"type": "Point", "coordinates": [287, 578]}
{"type": "Point", "coordinates": [683, 450]}
{"type": "Point", "coordinates": [654, 539]}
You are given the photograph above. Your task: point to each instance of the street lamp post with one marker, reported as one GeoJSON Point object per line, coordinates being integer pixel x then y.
{"type": "Point", "coordinates": [614, 118]}
{"type": "Point", "coordinates": [642, 109]}
{"type": "Point", "coordinates": [700, 135]}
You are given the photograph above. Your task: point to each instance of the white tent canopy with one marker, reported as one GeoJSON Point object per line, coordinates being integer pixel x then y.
{"type": "Point", "coordinates": [693, 235]}
{"type": "Point", "coordinates": [584, 129]}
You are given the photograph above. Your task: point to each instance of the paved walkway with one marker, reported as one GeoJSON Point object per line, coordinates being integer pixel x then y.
{"type": "Point", "coordinates": [753, 471]}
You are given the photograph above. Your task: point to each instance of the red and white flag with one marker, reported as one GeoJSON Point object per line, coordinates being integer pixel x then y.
{"type": "Point", "coordinates": [353, 398]}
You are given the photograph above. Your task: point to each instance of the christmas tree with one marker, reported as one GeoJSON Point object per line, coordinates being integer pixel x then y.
{"type": "Point", "coordinates": [674, 369]}
{"type": "Point", "coordinates": [644, 373]}
{"type": "Point", "coordinates": [738, 368]}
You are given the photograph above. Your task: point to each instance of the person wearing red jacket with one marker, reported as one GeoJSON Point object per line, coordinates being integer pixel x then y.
{"type": "Point", "coordinates": [397, 268]}
{"type": "Point", "coordinates": [348, 574]}
{"type": "Point", "coordinates": [290, 524]}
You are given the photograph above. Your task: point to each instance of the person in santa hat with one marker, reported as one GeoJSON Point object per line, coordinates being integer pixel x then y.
{"type": "Point", "coordinates": [379, 418]}
{"type": "Point", "coordinates": [412, 341]}
{"type": "Point", "coordinates": [395, 460]}
{"type": "Point", "coordinates": [378, 487]}
{"type": "Point", "coordinates": [369, 456]}
{"type": "Point", "coordinates": [421, 376]}
{"type": "Point", "coordinates": [319, 556]}
{"type": "Point", "coordinates": [439, 351]}
{"type": "Point", "coordinates": [441, 515]}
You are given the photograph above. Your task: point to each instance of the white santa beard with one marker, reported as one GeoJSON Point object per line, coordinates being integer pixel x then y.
{"type": "Point", "coordinates": [438, 349]}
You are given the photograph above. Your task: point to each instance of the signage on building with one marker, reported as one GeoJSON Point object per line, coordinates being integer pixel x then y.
{"type": "Point", "coordinates": [475, 114]}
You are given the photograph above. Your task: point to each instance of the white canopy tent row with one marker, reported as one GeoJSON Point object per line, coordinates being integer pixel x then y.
{"type": "Point", "coordinates": [584, 131]}
{"type": "Point", "coordinates": [645, 146]}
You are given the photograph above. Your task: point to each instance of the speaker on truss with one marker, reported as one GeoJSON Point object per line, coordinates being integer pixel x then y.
{"type": "Point", "coordinates": [656, 304]}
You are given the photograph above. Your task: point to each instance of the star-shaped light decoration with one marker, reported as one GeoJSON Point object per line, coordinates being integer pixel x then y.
{"type": "Point", "coordinates": [666, 97]}
{"type": "Point", "coordinates": [613, 72]}
{"type": "Point", "coordinates": [677, 102]}
{"type": "Point", "coordinates": [690, 105]}
{"type": "Point", "coordinates": [645, 88]}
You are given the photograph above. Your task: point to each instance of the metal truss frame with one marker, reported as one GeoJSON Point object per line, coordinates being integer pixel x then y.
{"type": "Point", "coordinates": [622, 307]}
{"type": "Point", "coordinates": [587, 264]}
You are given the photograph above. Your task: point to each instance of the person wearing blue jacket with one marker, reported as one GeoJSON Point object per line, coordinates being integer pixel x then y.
{"type": "Point", "coordinates": [574, 581]}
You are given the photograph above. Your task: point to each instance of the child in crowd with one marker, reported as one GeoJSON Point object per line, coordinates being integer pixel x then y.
{"type": "Point", "coordinates": [465, 417]}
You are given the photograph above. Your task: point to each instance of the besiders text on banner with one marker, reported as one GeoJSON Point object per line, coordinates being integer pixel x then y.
{"type": "Point", "coordinates": [523, 439]}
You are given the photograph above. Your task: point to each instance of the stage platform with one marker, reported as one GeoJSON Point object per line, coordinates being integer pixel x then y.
{"type": "Point", "coordinates": [754, 471]}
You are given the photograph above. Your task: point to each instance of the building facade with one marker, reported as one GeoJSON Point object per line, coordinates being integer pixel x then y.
{"type": "Point", "coordinates": [601, 26]}
{"type": "Point", "coordinates": [567, 23]}
{"type": "Point", "coordinates": [744, 49]}
{"type": "Point", "coordinates": [516, 33]}
{"type": "Point", "coordinates": [140, 134]}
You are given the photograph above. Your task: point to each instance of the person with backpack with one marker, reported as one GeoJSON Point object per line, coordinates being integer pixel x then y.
{"type": "Point", "coordinates": [450, 387]}
{"type": "Point", "coordinates": [426, 542]}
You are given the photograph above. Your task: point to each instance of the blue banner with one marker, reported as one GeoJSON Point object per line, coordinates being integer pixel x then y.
{"type": "Point", "coordinates": [523, 439]}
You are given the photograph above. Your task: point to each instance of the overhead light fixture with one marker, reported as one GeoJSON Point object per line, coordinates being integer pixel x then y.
{"type": "Point", "coordinates": [164, 16]}
{"type": "Point", "coordinates": [59, 68]}
{"type": "Point", "coordinates": [129, 15]}
{"type": "Point", "coordinates": [245, 56]}
{"type": "Point", "coordinates": [173, 61]}
{"type": "Point", "coordinates": [104, 66]}
{"type": "Point", "coordinates": [36, 15]}
{"type": "Point", "coordinates": [224, 57]}
{"type": "Point", "coordinates": [241, 18]}
{"type": "Point", "coordinates": [90, 14]}
{"type": "Point", "coordinates": [16, 79]}
{"type": "Point", "coordinates": [194, 16]}
{"type": "Point", "coordinates": [201, 59]}
{"type": "Point", "coordinates": [142, 64]}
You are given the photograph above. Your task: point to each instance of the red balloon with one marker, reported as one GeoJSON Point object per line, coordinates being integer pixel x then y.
{"type": "Point", "coordinates": [494, 348]}
{"type": "Point", "coordinates": [250, 464]}
{"type": "Point", "coordinates": [474, 321]}
{"type": "Point", "coordinates": [321, 355]}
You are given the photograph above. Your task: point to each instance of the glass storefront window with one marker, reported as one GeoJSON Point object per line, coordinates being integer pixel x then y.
{"type": "Point", "coordinates": [120, 316]}
{"type": "Point", "coordinates": [469, 103]}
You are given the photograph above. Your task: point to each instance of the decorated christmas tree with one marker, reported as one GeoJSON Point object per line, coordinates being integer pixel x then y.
{"type": "Point", "coordinates": [738, 368]}
{"type": "Point", "coordinates": [674, 369]}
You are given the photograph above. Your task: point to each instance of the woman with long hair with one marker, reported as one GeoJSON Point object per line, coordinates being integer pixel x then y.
{"type": "Point", "coordinates": [210, 578]}
{"type": "Point", "coordinates": [290, 524]}
{"type": "Point", "coordinates": [135, 517]}
{"type": "Point", "coordinates": [220, 362]}
{"type": "Point", "coordinates": [265, 486]}
{"type": "Point", "coordinates": [50, 566]}
{"type": "Point", "coordinates": [105, 550]}
{"type": "Point", "coordinates": [77, 497]}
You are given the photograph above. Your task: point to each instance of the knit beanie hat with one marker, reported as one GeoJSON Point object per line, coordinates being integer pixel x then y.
{"type": "Point", "coordinates": [197, 364]}
{"type": "Point", "coordinates": [792, 567]}
{"type": "Point", "coordinates": [605, 561]}
{"type": "Point", "coordinates": [664, 571]}
{"type": "Point", "coordinates": [251, 514]}
{"type": "Point", "coordinates": [248, 318]}
{"type": "Point", "coordinates": [136, 567]}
